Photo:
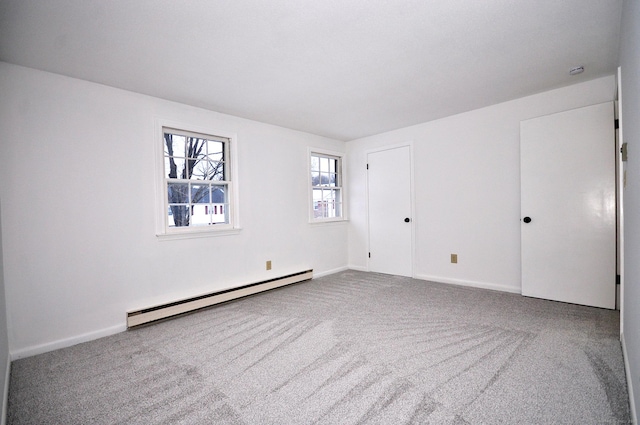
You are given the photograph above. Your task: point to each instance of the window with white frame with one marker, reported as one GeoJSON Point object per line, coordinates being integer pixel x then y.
{"type": "Point", "coordinates": [197, 181]}
{"type": "Point", "coordinates": [326, 187]}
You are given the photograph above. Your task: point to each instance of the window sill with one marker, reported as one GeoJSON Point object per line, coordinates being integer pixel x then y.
{"type": "Point", "coordinates": [193, 234]}
{"type": "Point", "coordinates": [329, 221]}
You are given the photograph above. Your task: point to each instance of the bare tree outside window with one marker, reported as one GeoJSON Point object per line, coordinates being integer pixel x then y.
{"type": "Point", "coordinates": [196, 179]}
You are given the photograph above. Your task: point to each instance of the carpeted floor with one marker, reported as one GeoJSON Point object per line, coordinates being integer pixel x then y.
{"type": "Point", "coordinates": [350, 348]}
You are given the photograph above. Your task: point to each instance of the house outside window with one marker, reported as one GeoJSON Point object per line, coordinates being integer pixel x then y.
{"type": "Point", "coordinates": [327, 192]}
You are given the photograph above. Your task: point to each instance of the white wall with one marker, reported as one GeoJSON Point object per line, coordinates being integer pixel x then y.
{"type": "Point", "coordinates": [467, 187]}
{"type": "Point", "coordinates": [77, 190]}
{"type": "Point", "coordinates": [630, 103]}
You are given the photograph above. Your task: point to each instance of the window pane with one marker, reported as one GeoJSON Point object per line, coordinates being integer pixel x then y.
{"type": "Point", "coordinates": [174, 168]}
{"type": "Point", "coordinates": [220, 203]}
{"type": "Point", "coordinates": [219, 214]}
{"type": "Point", "coordinates": [219, 194]}
{"type": "Point", "coordinates": [318, 206]}
{"type": "Point", "coordinates": [324, 164]}
{"type": "Point", "coordinates": [337, 209]}
{"type": "Point", "coordinates": [333, 203]}
{"type": "Point", "coordinates": [199, 215]}
{"type": "Point", "coordinates": [196, 147]}
{"type": "Point", "coordinates": [200, 170]}
{"type": "Point", "coordinates": [178, 216]}
{"type": "Point", "coordinates": [206, 170]}
{"type": "Point", "coordinates": [215, 150]}
{"type": "Point", "coordinates": [178, 193]}
{"type": "Point", "coordinates": [216, 171]}
{"type": "Point", "coordinates": [174, 145]}
{"type": "Point", "coordinates": [315, 178]}
{"type": "Point", "coordinates": [167, 167]}
{"type": "Point", "coordinates": [191, 164]}
{"type": "Point", "coordinates": [315, 163]}
{"type": "Point", "coordinates": [200, 194]}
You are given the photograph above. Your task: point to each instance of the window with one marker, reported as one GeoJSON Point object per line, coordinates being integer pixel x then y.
{"type": "Point", "coordinates": [196, 182]}
{"type": "Point", "coordinates": [326, 187]}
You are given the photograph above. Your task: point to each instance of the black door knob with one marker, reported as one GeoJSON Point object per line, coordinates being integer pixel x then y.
{"type": "Point", "coordinates": [406, 220]}
{"type": "Point", "coordinates": [527, 219]}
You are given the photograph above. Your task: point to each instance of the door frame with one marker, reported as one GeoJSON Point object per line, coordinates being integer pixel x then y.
{"type": "Point", "coordinates": [379, 149]}
{"type": "Point", "coordinates": [621, 170]}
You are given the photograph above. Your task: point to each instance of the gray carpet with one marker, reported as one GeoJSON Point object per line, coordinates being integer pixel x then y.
{"type": "Point", "coordinates": [350, 348]}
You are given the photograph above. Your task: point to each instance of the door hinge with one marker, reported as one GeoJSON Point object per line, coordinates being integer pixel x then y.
{"type": "Point", "coordinates": [616, 124]}
{"type": "Point", "coordinates": [369, 255]}
{"type": "Point", "coordinates": [367, 166]}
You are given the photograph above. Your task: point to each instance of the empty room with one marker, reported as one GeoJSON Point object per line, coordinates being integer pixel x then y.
{"type": "Point", "coordinates": [298, 212]}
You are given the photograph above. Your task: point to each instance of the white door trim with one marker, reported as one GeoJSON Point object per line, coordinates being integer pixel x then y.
{"type": "Point", "coordinates": [620, 182]}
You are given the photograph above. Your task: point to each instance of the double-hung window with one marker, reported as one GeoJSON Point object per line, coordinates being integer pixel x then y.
{"type": "Point", "coordinates": [197, 182]}
{"type": "Point", "coordinates": [326, 187]}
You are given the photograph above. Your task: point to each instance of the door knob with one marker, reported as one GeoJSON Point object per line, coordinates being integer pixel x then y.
{"type": "Point", "coordinates": [527, 219]}
{"type": "Point", "coordinates": [406, 220]}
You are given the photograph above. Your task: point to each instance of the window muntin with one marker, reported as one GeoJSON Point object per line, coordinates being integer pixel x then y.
{"type": "Point", "coordinates": [197, 182]}
{"type": "Point", "coordinates": [326, 187]}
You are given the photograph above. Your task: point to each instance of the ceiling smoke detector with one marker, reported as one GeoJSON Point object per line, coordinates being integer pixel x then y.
{"type": "Point", "coordinates": [577, 70]}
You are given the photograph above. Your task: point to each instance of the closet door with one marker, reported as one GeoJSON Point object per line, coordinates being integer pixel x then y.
{"type": "Point", "coordinates": [568, 206]}
{"type": "Point", "coordinates": [390, 221]}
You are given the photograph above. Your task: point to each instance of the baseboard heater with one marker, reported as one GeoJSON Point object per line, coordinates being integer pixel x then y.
{"type": "Point", "coordinates": [160, 312]}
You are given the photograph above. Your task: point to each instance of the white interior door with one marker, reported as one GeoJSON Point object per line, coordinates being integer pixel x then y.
{"type": "Point", "coordinates": [390, 221]}
{"type": "Point", "coordinates": [568, 206]}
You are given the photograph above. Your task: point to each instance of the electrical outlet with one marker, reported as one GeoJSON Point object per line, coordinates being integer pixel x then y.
{"type": "Point", "coordinates": [454, 258]}
{"type": "Point", "coordinates": [269, 265]}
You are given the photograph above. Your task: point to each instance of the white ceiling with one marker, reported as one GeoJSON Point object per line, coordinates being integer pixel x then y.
{"type": "Point", "coordinates": [338, 68]}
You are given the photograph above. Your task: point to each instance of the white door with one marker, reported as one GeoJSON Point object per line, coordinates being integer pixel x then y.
{"type": "Point", "coordinates": [568, 206]}
{"type": "Point", "coordinates": [390, 221]}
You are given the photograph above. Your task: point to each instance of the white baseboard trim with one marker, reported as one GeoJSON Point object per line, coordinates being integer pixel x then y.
{"type": "Point", "coordinates": [5, 395]}
{"type": "Point", "coordinates": [358, 268]}
{"type": "Point", "coordinates": [634, 413]}
{"type": "Point", "coordinates": [470, 283]}
{"type": "Point", "coordinates": [64, 343]}
{"type": "Point", "coordinates": [328, 272]}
